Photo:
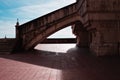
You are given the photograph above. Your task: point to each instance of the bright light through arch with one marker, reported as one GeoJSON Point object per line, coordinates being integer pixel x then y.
{"type": "Point", "coordinates": [63, 33]}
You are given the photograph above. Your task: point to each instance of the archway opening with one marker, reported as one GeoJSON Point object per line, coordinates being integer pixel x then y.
{"type": "Point", "coordinates": [64, 33]}
{"type": "Point", "coordinates": [59, 41]}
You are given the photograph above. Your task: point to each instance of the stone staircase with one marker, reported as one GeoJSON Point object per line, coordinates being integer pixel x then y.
{"type": "Point", "coordinates": [6, 45]}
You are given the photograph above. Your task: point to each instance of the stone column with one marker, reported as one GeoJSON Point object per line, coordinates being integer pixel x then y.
{"type": "Point", "coordinates": [104, 16]}
{"type": "Point", "coordinates": [82, 39]}
{"type": "Point", "coordinates": [18, 46]}
{"type": "Point", "coordinates": [81, 34]}
{"type": "Point", "coordinates": [17, 29]}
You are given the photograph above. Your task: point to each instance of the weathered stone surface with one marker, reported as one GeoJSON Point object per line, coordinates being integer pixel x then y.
{"type": "Point", "coordinates": [104, 29]}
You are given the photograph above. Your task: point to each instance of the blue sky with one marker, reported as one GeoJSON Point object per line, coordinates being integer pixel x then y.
{"type": "Point", "coordinates": [27, 10]}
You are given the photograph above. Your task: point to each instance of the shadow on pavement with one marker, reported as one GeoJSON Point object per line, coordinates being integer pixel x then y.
{"type": "Point", "coordinates": [76, 63]}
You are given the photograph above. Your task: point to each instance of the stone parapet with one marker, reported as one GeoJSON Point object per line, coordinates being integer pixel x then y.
{"type": "Point", "coordinates": [6, 45]}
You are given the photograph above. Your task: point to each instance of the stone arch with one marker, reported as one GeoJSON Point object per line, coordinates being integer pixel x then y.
{"type": "Point", "coordinates": [69, 20]}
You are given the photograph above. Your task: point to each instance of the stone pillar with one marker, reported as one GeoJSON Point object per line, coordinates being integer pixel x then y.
{"type": "Point", "coordinates": [105, 40]}
{"type": "Point", "coordinates": [18, 46]}
{"type": "Point", "coordinates": [17, 29]}
{"type": "Point", "coordinates": [82, 39]}
{"type": "Point", "coordinates": [104, 16]}
{"type": "Point", "coordinates": [96, 45]}
{"type": "Point", "coordinates": [81, 34]}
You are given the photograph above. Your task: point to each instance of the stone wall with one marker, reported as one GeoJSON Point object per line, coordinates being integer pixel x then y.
{"type": "Point", "coordinates": [105, 19]}
{"type": "Point", "coordinates": [101, 18]}
{"type": "Point", "coordinates": [6, 45]}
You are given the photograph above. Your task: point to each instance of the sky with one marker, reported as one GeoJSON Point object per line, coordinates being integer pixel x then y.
{"type": "Point", "coordinates": [26, 10]}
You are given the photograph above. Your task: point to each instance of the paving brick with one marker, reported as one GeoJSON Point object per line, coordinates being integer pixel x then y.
{"type": "Point", "coordinates": [49, 66]}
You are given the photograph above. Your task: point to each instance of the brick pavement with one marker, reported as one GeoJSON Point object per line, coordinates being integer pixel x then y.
{"type": "Point", "coordinates": [76, 64]}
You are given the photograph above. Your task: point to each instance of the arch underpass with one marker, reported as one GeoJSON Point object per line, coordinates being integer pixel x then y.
{"type": "Point", "coordinates": [69, 20]}
{"type": "Point", "coordinates": [32, 33]}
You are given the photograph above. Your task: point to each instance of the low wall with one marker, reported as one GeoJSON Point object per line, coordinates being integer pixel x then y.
{"type": "Point", "coordinates": [60, 40]}
{"type": "Point", "coordinates": [6, 45]}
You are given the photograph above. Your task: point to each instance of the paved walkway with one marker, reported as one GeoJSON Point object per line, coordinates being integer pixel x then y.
{"type": "Point", "coordinates": [76, 64]}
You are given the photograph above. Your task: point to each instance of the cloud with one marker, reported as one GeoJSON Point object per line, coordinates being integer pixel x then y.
{"type": "Point", "coordinates": [27, 10]}
{"type": "Point", "coordinates": [36, 10]}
